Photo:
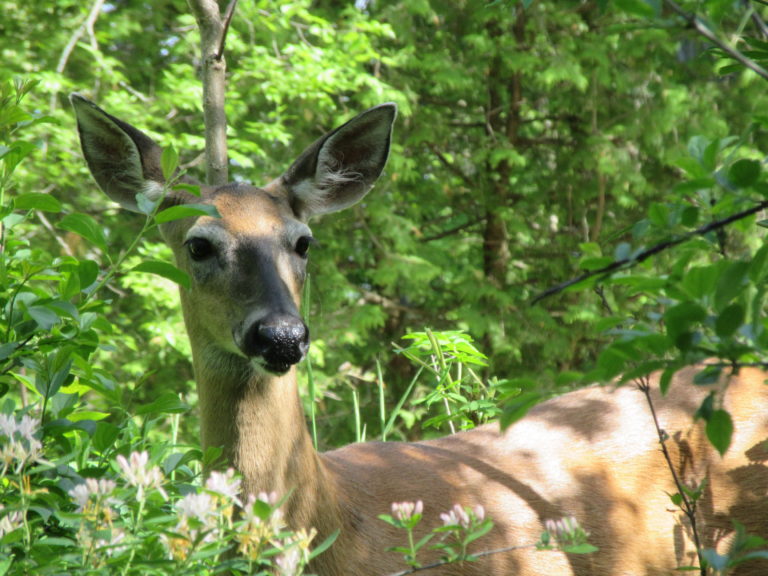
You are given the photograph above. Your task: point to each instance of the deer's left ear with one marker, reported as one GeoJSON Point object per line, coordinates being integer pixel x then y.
{"type": "Point", "coordinates": [341, 167]}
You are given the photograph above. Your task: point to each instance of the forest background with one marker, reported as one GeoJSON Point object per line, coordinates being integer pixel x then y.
{"type": "Point", "coordinates": [536, 142]}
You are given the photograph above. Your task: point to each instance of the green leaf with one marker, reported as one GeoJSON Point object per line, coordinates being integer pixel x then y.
{"type": "Point", "coordinates": [666, 380]}
{"type": "Point", "coordinates": [679, 319]}
{"type": "Point", "coordinates": [730, 320]}
{"type": "Point", "coordinates": [709, 375]}
{"type": "Point", "coordinates": [580, 549]}
{"type": "Point", "coordinates": [167, 403]}
{"type": "Point", "coordinates": [7, 349]}
{"type": "Point", "coordinates": [324, 545]}
{"type": "Point", "coordinates": [717, 562]}
{"type": "Point", "coordinates": [145, 205]}
{"type": "Point", "coordinates": [5, 564]}
{"type": "Point", "coordinates": [88, 271]}
{"type": "Point", "coordinates": [186, 211]}
{"type": "Point", "coordinates": [744, 173]}
{"type": "Point", "coordinates": [731, 283]}
{"type": "Point", "coordinates": [104, 436]}
{"type": "Point", "coordinates": [720, 430]}
{"type": "Point", "coordinates": [169, 161]}
{"type": "Point", "coordinates": [518, 407]}
{"type": "Point", "coordinates": [636, 8]}
{"type": "Point", "coordinates": [86, 227]}
{"type": "Point", "coordinates": [193, 189]}
{"type": "Point", "coordinates": [37, 201]}
{"type": "Point", "coordinates": [165, 270]}
{"type": "Point", "coordinates": [45, 317]}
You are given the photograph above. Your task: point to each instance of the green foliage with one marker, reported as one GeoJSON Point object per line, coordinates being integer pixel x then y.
{"type": "Point", "coordinates": [461, 526]}
{"type": "Point", "coordinates": [451, 359]}
{"type": "Point", "coordinates": [85, 488]}
{"type": "Point", "coordinates": [535, 142]}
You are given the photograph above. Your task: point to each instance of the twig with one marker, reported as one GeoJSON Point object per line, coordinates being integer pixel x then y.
{"type": "Point", "coordinates": [451, 166]}
{"type": "Point", "coordinates": [626, 263]}
{"type": "Point", "coordinates": [688, 507]}
{"type": "Point", "coordinates": [47, 225]}
{"type": "Point", "coordinates": [760, 23]}
{"type": "Point", "coordinates": [450, 231]}
{"type": "Point", "coordinates": [86, 26]}
{"type": "Point", "coordinates": [227, 20]}
{"type": "Point", "coordinates": [695, 22]}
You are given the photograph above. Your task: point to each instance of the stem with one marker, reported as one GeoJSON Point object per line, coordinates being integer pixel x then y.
{"type": "Point", "coordinates": [135, 531]}
{"type": "Point", "coordinates": [447, 562]}
{"type": "Point", "coordinates": [445, 374]}
{"type": "Point", "coordinates": [114, 268]}
{"type": "Point", "coordinates": [412, 546]}
{"type": "Point", "coordinates": [688, 506]}
{"type": "Point", "coordinates": [25, 521]}
{"type": "Point", "coordinates": [382, 407]}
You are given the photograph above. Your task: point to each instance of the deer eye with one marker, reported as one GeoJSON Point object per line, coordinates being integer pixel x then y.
{"type": "Point", "coordinates": [302, 245]}
{"type": "Point", "coordinates": [199, 248]}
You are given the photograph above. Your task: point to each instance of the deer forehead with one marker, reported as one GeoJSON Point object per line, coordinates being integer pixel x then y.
{"type": "Point", "coordinates": [248, 212]}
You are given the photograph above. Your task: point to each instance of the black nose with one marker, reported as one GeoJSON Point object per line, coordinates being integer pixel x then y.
{"type": "Point", "coordinates": [280, 341]}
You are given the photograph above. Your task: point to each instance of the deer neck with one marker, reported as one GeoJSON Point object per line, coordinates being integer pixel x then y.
{"type": "Point", "coordinates": [258, 422]}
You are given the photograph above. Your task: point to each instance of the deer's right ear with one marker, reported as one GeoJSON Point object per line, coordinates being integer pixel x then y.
{"type": "Point", "coordinates": [123, 160]}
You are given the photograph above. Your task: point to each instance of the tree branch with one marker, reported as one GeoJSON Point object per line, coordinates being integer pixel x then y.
{"type": "Point", "coordinates": [227, 21]}
{"type": "Point", "coordinates": [687, 505]}
{"type": "Point", "coordinates": [627, 263]}
{"type": "Point", "coordinates": [695, 22]}
{"type": "Point", "coordinates": [451, 166]}
{"type": "Point", "coordinates": [86, 26]}
{"type": "Point", "coordinates": [450, 231]}
{"type": "Point", "coordinates": [212, 36]}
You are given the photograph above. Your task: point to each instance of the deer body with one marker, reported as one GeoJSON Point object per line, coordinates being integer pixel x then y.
{"type": "Point", "coordinates": [591, 454]}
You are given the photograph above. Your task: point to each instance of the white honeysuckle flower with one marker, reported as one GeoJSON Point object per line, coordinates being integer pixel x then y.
{"type": "Point", "coordinates": [20, 444]}
{"type": "Point", "coordinates": [7, 425]}
{"type": "Point", "coordinates": [456, 516]}
{"type": "Point", "coordinates": [80, 495]}
{"type": "Point", "coordinates": [200, 506]}
{"type": "Point", "coordinates": [9, 521]}
{"type": "Point", "coordinates": [137, 472]}
{"type": "Point", "coordinates": [92, 488]}
{"type": "Point", "coordinates": [226, 485]}
{"type": "Point", "coordinates": [289, 562]}
{"type": "Point", "coordinates": [404, 511]}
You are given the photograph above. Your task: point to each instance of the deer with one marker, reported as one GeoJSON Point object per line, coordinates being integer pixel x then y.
{"type": "Point", "coordinates": [592, 454]}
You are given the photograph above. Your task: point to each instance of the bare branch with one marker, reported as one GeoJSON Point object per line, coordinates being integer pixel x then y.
{"type": "Point", "coordinates": [759, 23]}
{"type": "Point", "coordinates": [687, 504]}
{"type": "Point", "coordinates": [86, 26]}
{"type": "Point", "coordinates": [450, 231]}
{"type": "Point", "coordinates": [451, 166]}
{"type": "Point", "coordinates": [627, 263]}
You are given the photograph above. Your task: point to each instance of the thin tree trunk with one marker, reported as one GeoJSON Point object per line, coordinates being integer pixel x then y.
{"type": "Point", "coordinates": [212, 30]}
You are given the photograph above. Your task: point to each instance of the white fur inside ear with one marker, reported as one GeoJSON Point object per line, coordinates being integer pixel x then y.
{"type": "Point", "coordinates": [153, 190]}
{"type": "Point", "coordinates": [310, 197]}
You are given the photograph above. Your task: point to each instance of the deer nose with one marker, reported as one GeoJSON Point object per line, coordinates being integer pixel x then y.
{"type": "Point", "coordinates": [279, 341]}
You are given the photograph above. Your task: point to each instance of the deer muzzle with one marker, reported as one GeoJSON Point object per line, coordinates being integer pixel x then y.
{"type": "Point", "coordinates": [276, 342]}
